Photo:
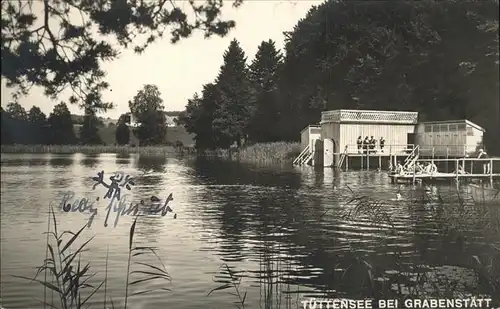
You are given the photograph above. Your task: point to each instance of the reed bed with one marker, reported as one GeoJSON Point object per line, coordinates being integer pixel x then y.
{"type": "Point", "coordinates": [96, 149]}
{"type": "Point", "coordinates": [261, 153]}
{"type": "Point", "coordinates": [65, 277]}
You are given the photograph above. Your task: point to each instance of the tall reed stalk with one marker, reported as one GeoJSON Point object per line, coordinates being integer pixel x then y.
{"type": "Point", "coordinates": [68, 277]}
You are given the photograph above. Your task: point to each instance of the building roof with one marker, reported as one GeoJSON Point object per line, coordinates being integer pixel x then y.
{"type": "Point", "coordinates": [310, 126]}
{"type": "Point", "coordinates": [369, 116]}
{"type": "Point", "coordinates": [472, 124]}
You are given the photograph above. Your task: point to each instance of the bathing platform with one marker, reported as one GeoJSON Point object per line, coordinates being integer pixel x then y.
{"type": "Point", "coordinates": [472, 169]}
{"type": "Point", "coordinates": [439, 177]}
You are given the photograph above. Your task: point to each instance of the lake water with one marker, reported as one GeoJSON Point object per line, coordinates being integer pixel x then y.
{"type": "Point", "coordinates": [284, 230]}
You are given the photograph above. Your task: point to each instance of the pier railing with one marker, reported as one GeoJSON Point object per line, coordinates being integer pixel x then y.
{"type": "Point", "coordinates": [461, 168]}
{"type": "Point", "coordinates": [386, 149]}
{"type": "Point", "coordinates": [442, 151]}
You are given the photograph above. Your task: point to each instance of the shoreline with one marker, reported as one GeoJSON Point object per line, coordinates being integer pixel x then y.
{"type": "Point", "coordinates": [261, 153]}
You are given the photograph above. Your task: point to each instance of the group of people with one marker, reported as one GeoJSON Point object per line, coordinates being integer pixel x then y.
{"type": "Point", "coordinates": [368, 145]}
{"type": "Point", "coordinates": [420, 168]}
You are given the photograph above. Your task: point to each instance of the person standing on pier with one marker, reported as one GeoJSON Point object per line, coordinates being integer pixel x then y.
{"type": "Point", "coordinates": [373, 143]}
{"type": "Point", "coordinates": [382, 143]}
{"type": "Point", "coordinates": [486, 164]}
{"type": "Point", "coordinates": [366, 144]}
{"type": "Point", "coordinates": [359, 142]}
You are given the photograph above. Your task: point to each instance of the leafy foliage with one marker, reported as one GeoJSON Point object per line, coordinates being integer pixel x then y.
{"type": "Point", "coordinates": [439, 58]}
{"type": "Point", "coordinates": [122, 133]}
{"type": "Point", "coordinates": [199, 116]}
{"type": "Point", "coordinates": [36, 115]}
{"type": "Point", "coordinates": [147, 108]}
{"type": "Point", "coordinates": [44, 45]}
{"type": "Point", "coordinates": [16, 111]}
{"type": "Point", "coordinates": [89, 129]}
{"type": "Point", "coordinates": [62, 125]}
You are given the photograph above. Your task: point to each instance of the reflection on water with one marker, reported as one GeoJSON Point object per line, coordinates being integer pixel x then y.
{"type": "Point", "coordinates": [57, 161]}
{"type": "Point", "coordinates": [90, 160]}
{"type": "Point", "coordinates": [151, 163]}
{"type": "Point", "coordinates": [287, 233]}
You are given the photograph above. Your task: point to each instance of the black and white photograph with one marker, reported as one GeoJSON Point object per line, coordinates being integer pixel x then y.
{"type": "Point", "coordinates": [250, 154]}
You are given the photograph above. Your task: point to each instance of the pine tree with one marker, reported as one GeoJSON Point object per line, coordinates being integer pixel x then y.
{"type": "Point", "coordinates": [235, 107]}
{"type": "Point", "coordinates": [264, 73]}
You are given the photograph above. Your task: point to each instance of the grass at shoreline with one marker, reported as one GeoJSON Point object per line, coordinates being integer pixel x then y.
{"type": "Point", "coordinates": [262, 153]}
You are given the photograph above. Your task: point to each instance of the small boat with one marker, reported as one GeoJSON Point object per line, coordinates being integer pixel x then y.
{"type": "Point", "coordinates": [484, 194]}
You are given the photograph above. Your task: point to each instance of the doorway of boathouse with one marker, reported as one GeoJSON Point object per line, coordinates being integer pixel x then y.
{"type": "Point", "coordinates": [329, 152]}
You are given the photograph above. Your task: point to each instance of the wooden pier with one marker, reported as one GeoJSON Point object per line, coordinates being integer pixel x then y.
{"type": "Point", "coordinates": [355, 158]}
{"type": "Point", "coordinates": [474, 170]}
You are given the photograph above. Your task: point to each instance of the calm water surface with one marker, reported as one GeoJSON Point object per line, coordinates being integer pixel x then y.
{"type": "Point", "coordinates": [283, 230]}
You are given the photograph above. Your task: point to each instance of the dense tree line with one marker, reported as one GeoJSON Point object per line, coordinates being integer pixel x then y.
{"type": "Point", "coordinates": [33, 127]}
{"type": "Point", "coordinates": [439, 58]}
{"type": "Point", "coordinates": [65, 53]}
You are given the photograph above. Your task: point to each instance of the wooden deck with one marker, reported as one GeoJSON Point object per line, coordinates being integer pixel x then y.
{"type": "Point", "coordinates": [413, 176]}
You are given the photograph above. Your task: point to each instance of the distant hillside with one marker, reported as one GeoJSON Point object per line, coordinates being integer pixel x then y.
{"type": "Point", "coordinates": [78, 119]}
{"type": "Point", "coordinates": [174, 134]}
{"type": "Point", "coordinates": [173, 113]}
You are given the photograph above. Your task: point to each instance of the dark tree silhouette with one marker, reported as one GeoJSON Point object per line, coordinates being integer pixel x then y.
{"type": "Point", "coordinates": [61, 125]}
{"type": "Point", "coordinates": [44, 45]}
{"type": "Point", "coordinates": [16, 111]}
{"type": "Point", "coordinates": [122, 133]}
{"type": "Point", "coordinates": [147, 108]}
{"type": "Point", "coordinates": [89, 131]}
{"type": "Point", "coordinates": [235, 104]}
{"type": "Point", "coordinates": [35, 115]}
{"type": "Point", "coordinates": [264, 75]}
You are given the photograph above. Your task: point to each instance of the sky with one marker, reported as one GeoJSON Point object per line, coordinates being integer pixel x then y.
{"type": "Point", "coordinates": [182, 69]}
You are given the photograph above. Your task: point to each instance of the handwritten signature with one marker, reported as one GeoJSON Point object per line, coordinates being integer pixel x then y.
{"type": "Point", "coordinates": [118, 181]}
{"type": "Point", "coordinates": [117, 203]}
{"type": "Point", "coordinates": [120, 207]}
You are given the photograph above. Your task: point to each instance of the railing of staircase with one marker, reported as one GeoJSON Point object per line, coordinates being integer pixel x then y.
{"type": "Point", "coordinates": [343, 158]}
{"type": "Point", "coordinates": [301, 156]}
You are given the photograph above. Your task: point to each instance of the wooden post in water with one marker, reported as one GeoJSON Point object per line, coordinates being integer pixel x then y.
{"type": "Point", "coordinates": [380, 162]}
{"type": "Point", "coordinates": [491, 172]}
{"type": "Point", "coordinates": [447, 157]}
{"type": "Point", "coordinates": [362, 160]}
{"type": "Point", "coordinates": [346, 162]}
{"type": "Point", "coordinates": [368, 161]}
{"type": "Point", "coordinates": [456, 171]}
